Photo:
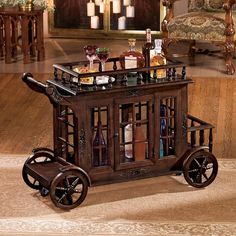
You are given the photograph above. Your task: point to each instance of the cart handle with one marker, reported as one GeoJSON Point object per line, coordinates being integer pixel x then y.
{"type": "Point", "coordinates": [34, 84]}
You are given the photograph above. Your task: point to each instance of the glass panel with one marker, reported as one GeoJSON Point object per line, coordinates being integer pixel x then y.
{"type": "Point", "coordinates": [167, 126]}
{"type": "Point", "coordinates": [100, 134]}
{"type": "Point", "coordinates": [133, 132]}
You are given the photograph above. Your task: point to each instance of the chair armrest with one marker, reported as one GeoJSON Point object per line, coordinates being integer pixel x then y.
{"type": "Point", "coordinates": [169, 4]}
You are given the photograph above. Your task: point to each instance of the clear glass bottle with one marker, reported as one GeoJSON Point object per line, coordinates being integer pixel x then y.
{"type": "Point", "coordinates": [99, 147]}
{"type": "Point", "coordinates": [129, 138]}
{"type": "Point", "coordinates": [131, 59]}
{"type": "Point", "coordinates": [158, 59]}
{"type": "Point", "coordinates": [147, 47]}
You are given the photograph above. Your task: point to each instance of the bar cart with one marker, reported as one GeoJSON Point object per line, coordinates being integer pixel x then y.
{"type": "Point", "coordinates": [126, 126]}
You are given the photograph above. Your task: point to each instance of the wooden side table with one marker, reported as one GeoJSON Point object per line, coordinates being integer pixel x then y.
{"type": "Point", "coordinates": [24, 30]}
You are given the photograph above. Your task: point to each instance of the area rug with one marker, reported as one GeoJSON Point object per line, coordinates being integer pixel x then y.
{"type": "Point", "coordinates": [160, 206]}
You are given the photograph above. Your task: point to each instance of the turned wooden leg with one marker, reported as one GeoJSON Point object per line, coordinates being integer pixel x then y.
{"type": "Point", "coordinates": [229, 53]}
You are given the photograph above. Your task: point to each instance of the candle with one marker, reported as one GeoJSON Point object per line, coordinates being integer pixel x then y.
{"type": "Point", "coordinates": [121, 22]}
{"type": "Point", "coordinates": [126, 2]}
{"type": "Point", "coordinates": [90, 8]}
{"type": "Point", "coordinates": [130, 11]}
{"type": "Point", "coordinates": [94, 22]}
{"type": "Point", "coordinates": [116, 6]}
{"type": "Point", "coordinates": [97, 2]}
{"type": "Point", "coordinates": [101, 7]}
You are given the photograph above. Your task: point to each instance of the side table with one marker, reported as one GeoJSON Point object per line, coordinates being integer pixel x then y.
{"type": "Point", "coordinates": [24, 30]}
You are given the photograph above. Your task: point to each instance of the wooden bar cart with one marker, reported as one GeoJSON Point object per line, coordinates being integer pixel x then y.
{"type": "Point", "coordinates": [126, 126]}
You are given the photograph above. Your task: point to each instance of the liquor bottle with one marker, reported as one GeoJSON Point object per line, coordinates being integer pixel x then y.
{"type": "Point", "coordinates": [140, 145]}
{"type": "Point", "coordinates": [147, 47]}
{"type": "Point", "coordinates": [163, 130]}
{"type": "Point", "coordinates": [128, 131]}
{"type": "Point", "coordinates": [99, 144]}
{"type": "Point", "coordinates": [158, 59]}
{"type": "Point", "coordinates": [131, 59]}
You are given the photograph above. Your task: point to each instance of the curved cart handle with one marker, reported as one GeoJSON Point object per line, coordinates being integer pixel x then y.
{"type": "Point", "coordinates": [34, 84]}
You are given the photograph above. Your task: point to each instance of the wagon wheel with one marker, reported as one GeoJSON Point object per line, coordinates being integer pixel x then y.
{"type": "Point", "coordinates": [35, 158]}
{"type": "Point", "coordinates": [69, 189]}
{"type": "Point", "coordinates": [200, 169]}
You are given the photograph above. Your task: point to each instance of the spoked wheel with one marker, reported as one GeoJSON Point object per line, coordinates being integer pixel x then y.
{"type": "Point", "coordinates": [69, 189]}
{"type": "Point", "coordinates": [200, 169]}
{"type": "Point", "coordinates": [37, 157]}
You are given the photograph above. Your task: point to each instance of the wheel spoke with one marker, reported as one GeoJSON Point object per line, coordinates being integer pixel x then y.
{"type": "Point", "coordinates": [74, 184]}
{"type": "Point", "coordinates": [63, 196]}
{"type": "Point", "coordinates": [61, 188]}
{"type": "Point", "coordinates": [198, 178]}
{"type": "Point", "coordinates": [197, 162]}
{"type": "Point", "coordinates": [206, 177]}
{"type": "Point", "coordinates": [193, 170]}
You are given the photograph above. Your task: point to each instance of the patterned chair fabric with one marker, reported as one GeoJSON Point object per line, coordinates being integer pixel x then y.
{"type": "Point", "coordinates": [205, 21]}
{"type": "Point", "coordinates": [195, 26]}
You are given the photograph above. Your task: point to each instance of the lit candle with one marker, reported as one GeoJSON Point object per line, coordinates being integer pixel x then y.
{"type": "Point", "coordinates": [130, 11]}
{"type": "Point", "coordinates": [126, 2]}
{"type": "Point", "coordinates": [90, 8]}
{"type": "Point", "coordinates": [94, 22]}
{"type": "Point", "coordinates": [101, 7]}
{"type": "Point", "coordinates": [121, 22]}
{"type": "Point", "coordinates": [97, 2]}
{"type": "Point", "coordinates": [116, 6]}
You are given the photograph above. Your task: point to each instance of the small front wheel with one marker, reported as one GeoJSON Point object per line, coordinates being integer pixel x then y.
{"type": "Point", "coordinates": [200, 169]}
{"type": "Point", "coordinates": [69, 189]}
{"type": "Point", "coordinates": [38, 157]}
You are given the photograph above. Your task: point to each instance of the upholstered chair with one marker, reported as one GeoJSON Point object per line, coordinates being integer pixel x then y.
{"type": "Point", "coordinates": [206, 20]}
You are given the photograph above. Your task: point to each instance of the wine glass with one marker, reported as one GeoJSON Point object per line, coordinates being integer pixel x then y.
{"type": "Point", "coordinates": [102, 55]}
{"type": "Point", "coordinates": [90, 51]}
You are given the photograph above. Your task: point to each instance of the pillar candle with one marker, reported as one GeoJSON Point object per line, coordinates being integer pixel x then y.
{"type": "Point", "coordinates": [121, 23]}
{"type": "Point", "coordinates": [101, 7]}
{"type": "Point", "coordinates": [90, 8]}
{"type": "Point", "coordinates": [130, 11]}
{"type": "Point", "coordinates": [116, 6]}
{"type": "Point", "coordinates": [97, 2]}
{"type": "Point", "coordinates": [126, 2]}
{"type": "Point", "coordinates": [94, 22]}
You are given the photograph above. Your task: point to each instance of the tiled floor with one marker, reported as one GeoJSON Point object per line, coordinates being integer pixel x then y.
{"type": "Point", "coordinates": [64, 50]}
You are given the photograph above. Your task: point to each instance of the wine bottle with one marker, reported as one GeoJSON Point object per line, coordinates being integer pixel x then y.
{"type": "Point", "coordinates": [147, 47]}
{"type": "Point", "coordinates": [162, 130]}
{"type": "Point", "coordinates": [132, 58]}
{"type": "Point", "coordinates": [99, 148]}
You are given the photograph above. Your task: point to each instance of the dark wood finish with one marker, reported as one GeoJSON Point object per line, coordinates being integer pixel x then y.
{"type": "Point", "coordinates": [85, 103]}
{"type": "Point", "coordinates": [23, 30]}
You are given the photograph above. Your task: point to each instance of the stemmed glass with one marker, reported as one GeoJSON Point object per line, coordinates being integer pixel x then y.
{"type": "Point", "coordinates": [90, 51]}
{"type": "Point", "coordinates": [102, 55]}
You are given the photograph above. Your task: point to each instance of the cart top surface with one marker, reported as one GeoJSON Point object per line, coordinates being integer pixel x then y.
{"type": "Point", "coordinates": [70, 82]}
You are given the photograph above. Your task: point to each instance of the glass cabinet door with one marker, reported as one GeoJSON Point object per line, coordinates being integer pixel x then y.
{"type": "Point", "coordinates": [133, 131]}
{"type": "Point", "coordinates": [167, 121]}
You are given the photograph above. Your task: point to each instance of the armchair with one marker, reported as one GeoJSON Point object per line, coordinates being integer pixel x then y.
{"type": "Point", "coordinates": [206, 20]}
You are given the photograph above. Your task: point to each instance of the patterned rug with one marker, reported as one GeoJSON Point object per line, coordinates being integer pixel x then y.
{"type": "Point", "coordinates": [160, 206]}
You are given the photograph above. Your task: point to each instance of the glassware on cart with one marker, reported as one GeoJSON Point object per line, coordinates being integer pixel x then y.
{"type": "Point", "coordinates": [102, 55]}
{"type": "Point", "coordinates": [90, 51]}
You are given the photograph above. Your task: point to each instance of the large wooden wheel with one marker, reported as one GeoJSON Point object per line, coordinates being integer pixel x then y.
{"type": "Point", "coordinates": [37, 157]}
{"type": "Point", "coordinates": [200, 169]}
{"type": "Point", "coordinates": [69, 189]}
